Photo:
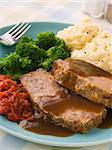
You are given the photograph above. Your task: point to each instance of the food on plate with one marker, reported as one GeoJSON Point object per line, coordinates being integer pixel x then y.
{"type": "Point", "coordinates": [88, 41]}
{"type": "Point", "coordinates": [84, 79]}
{"type": "Point", "coordinates": [78, 35]}
{"type": "Point", "coordinates": [98, 52]}
{"type": "Point", "coordinates": [45, 95]}
{"type": "Point", "coordinates": [47, 40]}
{"type": "Point", "coordinates": [44, 127]}
{"type": "Point", "coordinates": [14, 100]}
{"type": "Point", "coordinates": [32, 54]}
{"type": "Point", "coordinates": [107, 122]}
{"type": "Point", "coordinates": [31, 51]}
{"type": "Point", "coordinates": [59, 106]}
{"type": "Point", "coordinates": [14, 65]}
{"type": "Point", "coordinates": [54, 53]}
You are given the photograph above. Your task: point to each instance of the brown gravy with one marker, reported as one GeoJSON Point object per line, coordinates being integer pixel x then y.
{"type": "Point", "coordinates": [60, 106]}
{"type": "Point", "coordinates": [72, 102]}
{"type": "Point", "coordinates": [47, 128]}
{"type": "Point", "coordinates": [107, 122]}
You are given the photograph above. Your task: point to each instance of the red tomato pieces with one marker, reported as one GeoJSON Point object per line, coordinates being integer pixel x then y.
{"type": "Point", "coordinates": [14, 100]}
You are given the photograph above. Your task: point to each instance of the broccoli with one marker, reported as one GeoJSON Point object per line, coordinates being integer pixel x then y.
{"type": "Point", "coordinates": [54, 53]}
{"type": "Point", "coordinates": [47, 64]}
{"type": "Point", "coordinates": [46, 40]}
{"type": "Point", "coordinates": [60, 42]}
{"type": "Point", "coordinates": [30, 54]}
{"type": "Point", "coordinates": [15, 65]}
{"type": "Point", "coordinates": [25, 49]}
{"type": "Point", "coordinates": [58, 52]}
{"type": "Point", "coordinates": [33, 52]}
{"type": "Point", "coordinates": [10, 64]}
{"type": "Point", "coordinates": [26, 39]}
{"type": "Point", "coordinates": [25, 64]}
{"type": "Point", "coordinates": [1, 66]}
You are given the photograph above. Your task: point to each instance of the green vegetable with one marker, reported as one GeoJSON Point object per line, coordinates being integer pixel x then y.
{"type": "Point", "coordinates": [46, 40]}
{"type": "Point", "coordinates": [57, 52]}
{"type": "Point", "coordinates": [25, 49]}
{"type": "Point", "coordinates": [16, 76]}
{"type": "Point", "coordinates": [32, 54]}
{"type": "Point", "coordinates": [14, 65]}
{"type": "Point", "coordinates": [54, 53]}
{"type": "Point", "coordinates": [47, 64]}
{"type": "Point", "coordinates": [61, 43]}
{"type": "Point", "coordinates": [26, 39]}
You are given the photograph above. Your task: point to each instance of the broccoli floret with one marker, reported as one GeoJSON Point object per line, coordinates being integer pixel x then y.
{"type": "Point", "coordinates": [16, 76]}
{"type": "Point", "coordinates": [15, 65]}
{"type": "Point", "coordinates": [33, 52]}
{"type": "Point", "coordinates": [1, 65]}
{"type": "Point", "coordinates": [47, 64]}
{"type": "Point", "coordinates": [10, 64]}
{"type": "Point", "coordinates": [61, 43]}
{"type": "Point", "coordinates": [46, 40]}
{"type": "Point", "coordinates": [58, 52]}
{"type": "Point", "coordinates": [54, 53]}
{"type": "Point", "coordinates": [25, 64]}
{"type": "Point", "coordinates": [26, 39]}
{"type": "Point", "coordinates": [25, 49]}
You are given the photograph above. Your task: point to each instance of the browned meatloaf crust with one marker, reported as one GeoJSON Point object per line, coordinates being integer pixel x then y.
{"type": "Point", "coordinates": [85, 79]}
{"type": "Point", "coordinates": [53, 101]}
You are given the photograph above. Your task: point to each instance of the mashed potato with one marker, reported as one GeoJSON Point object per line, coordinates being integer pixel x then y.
{"type": "Point", "coordinates": [78, 35]}
{"type": "Point", "coordinates": [97, 52]}
{"type": "Point", "coordinates": [89, 42]}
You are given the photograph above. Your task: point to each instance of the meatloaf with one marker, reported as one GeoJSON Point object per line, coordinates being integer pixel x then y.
{"type": "Point", "coordinates": [59, 106]}
{"type": "Point", "coordinates": [85, 79]}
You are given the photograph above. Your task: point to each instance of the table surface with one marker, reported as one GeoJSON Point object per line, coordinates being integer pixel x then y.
{"type": "Point", "coordinates": [42, 10]}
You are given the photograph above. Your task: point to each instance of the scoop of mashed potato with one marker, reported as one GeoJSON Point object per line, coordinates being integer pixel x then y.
{"type": "Point", "coordinates": [89, 42]}
{"type": "Point", "coordinates": [97, 52]}
{"type": "Point", "coordinates": [78, 35]}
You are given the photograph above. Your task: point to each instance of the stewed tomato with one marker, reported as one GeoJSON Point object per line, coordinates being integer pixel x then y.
{"type": "Point", "coordinates": [14, 100]}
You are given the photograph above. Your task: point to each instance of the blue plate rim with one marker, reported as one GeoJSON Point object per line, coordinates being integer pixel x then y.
{"type": "Point", "coordinates": [43, 142]}
{"type": "Point", "coordinates": [32, 22]}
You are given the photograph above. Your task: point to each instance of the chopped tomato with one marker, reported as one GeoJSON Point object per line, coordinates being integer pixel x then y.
{"type": "Point", "coordinates": [14, 100]}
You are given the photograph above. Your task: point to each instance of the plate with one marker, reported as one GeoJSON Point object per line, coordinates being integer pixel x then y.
{"type": "Point", "coordinates": [94, 137]}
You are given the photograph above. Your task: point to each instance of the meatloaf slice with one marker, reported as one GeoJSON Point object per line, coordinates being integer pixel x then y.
{"type": "Point", "coordinates": [59, 106]}
{"type": "Point", "coordinates": [85, 79]}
